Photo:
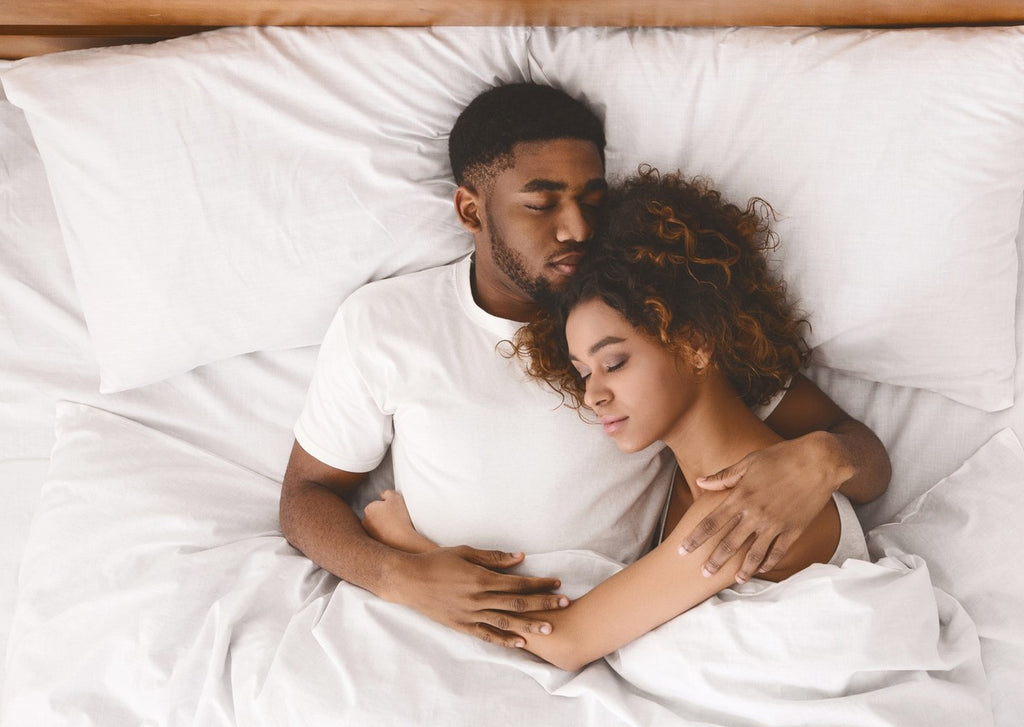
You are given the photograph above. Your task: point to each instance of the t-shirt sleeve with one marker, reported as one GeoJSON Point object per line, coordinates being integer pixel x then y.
{"type": "Point", "coordinates": [342, 423]}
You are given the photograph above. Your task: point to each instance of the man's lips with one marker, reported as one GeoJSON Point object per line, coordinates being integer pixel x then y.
{"type": "Point", "coordinates": [612, 424]}
{"type": "Point", "coordinates": [567, 265]}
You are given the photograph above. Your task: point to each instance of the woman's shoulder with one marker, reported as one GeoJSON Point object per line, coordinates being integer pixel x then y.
{"type": "Point", "coordinates": [817, 544]}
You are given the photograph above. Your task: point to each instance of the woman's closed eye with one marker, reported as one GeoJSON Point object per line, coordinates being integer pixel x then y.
{"type": "Point", "coordinates": [610, 367]}
{"type": "Point", "coordinates": [615, 366]}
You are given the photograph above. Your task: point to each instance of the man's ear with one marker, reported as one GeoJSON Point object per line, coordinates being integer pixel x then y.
{"type": "Point", "coordinates": [468, 208]}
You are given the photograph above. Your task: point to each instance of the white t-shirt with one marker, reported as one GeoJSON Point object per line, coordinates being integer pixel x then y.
{"type": "Point", "coordinates": [483, 454]}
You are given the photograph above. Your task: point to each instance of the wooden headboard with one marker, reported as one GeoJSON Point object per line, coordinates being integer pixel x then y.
{"type": "Point", "coordinates": [32, 27]}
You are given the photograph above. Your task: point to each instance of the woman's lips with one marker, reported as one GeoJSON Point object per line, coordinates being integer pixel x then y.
{"type": "Point", "coordinates": [613, 424]}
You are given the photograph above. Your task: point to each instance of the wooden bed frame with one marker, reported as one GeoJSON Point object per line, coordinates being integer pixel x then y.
{"type": "Point", "coordinates": [33, 27]}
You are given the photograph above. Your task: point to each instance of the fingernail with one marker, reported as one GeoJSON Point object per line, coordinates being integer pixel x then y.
{"type": "Point", "coordinates": [741, 579]}
{"type": "Point", "coordinates": [545, 628]}
{"type": "Point", "coordinates": [563, 602]}
{"type": "Point", "coordinates": [520, 644]}
{"type": "Point", "coordinates": [706, 573]}
{"type": "Point", "coordinates": [683, 550]}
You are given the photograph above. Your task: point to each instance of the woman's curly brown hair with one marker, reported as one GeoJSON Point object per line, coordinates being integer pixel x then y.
{"type": "Point", "coordinates": [680, 264]}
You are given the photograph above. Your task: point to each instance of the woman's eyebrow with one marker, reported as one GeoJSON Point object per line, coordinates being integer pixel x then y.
{"type": "Point", "coordinates": [606, 341]}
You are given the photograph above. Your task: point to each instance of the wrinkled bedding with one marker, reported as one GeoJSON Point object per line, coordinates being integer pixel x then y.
{"type": "Point", "coordinates": [184, 595]}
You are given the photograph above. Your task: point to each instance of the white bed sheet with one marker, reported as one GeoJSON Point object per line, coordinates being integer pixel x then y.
{"type": "Point", "coordinates": [265, 637]}
{"type": "Point", "coordinates": [241, 410]}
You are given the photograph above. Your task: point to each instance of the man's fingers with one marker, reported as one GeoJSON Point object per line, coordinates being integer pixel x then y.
{"type": "Point", "coordinates": [755, 558]}
{"type": "Point", "coordinates": [493, 559]}
{"type": "Point", "coordinates": [733, 543]}
{"type": "Point", "coordinates": [510, 623]}
{"type": "Point", "coordinates": [724, 479]}
{"type": "Point", "coordinates": [506, 627]}
{"type": "Point", "coordinates": [526, 602]}
{"type": "Point", "coordinates": [501, 610]}
{"type": "Point", "coordinates": [491, 635]}
{"type": "Point", "coordinates": [525, 589]}
{"type": "Point", "coordinates": [503, 582]}
{"type": "Point", "coordinates": [777, 552]}
{"type": "Point", "coordinates": [716, 521]}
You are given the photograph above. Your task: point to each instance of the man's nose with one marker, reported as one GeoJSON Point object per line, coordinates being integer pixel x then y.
{"type": "Point", "coordinates": [573, 225]}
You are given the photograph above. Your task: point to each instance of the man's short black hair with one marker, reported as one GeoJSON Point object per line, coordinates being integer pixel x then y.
{"type": "Point", "coordinates": [501, 117]}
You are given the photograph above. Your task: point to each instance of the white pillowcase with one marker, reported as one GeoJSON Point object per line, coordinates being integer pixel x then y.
{"type": "Point", "coordinates": [967, 528]}
{"type": "Point", "coordinates": [222, 193]}
{"type": "Point", "coordinates": [892, 157]}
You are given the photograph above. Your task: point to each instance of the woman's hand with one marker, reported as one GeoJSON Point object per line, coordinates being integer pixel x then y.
{"type": "Point", "coordinates": [388, 521]}
{"type": "Point", "coordinates": [775, 494]}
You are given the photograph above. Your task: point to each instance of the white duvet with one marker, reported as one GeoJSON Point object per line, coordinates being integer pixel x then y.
{"type": "Point", "coordinates": [157, 589]}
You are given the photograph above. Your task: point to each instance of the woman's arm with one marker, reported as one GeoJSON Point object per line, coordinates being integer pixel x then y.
{"type": "Point", "coordinates": [660, 586]}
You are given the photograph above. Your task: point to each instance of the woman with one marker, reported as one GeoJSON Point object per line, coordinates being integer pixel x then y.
{"type": "Point", "coordinates": [673, 330]}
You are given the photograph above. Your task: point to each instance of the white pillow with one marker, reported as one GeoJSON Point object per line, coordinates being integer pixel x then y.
{"type": "Point", "coordinates": [222, 193]}
{"type": "Point", "coordinates": [893, 157]}
{"type": "Point", "coordinates": [967, 528]}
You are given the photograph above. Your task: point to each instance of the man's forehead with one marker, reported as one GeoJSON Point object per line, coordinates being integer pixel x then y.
{"type": "Point", "coordinates": [556, 164]}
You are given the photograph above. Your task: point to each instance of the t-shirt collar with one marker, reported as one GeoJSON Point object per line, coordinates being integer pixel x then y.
{"type": "Point", "coordinates": [464, 288]}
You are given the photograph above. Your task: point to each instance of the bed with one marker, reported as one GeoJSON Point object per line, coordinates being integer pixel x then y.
{"type": "Point", "coordinates": [182, 214]}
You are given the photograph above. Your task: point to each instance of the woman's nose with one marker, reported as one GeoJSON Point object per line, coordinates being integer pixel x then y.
{"type": "Point", "coordinates": [596, 394]}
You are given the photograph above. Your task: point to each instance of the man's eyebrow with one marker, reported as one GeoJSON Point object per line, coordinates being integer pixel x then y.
{"type": "Point", "coordinates": [606, 341]}
{"type": "Point", "coordinates": [551, 185]}
{"type": "Point", "coordinates": [543, 185]}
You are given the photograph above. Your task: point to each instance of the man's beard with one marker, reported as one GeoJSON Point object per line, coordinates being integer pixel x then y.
{"type": "Point", "coordinates": [513, 265]}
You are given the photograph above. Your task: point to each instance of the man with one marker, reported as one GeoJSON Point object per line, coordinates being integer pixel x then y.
{"type": "Point", "coordinates": [419, 364]}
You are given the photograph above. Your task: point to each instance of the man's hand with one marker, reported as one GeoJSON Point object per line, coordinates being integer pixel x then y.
{"type": "Point", "coordinates": [776, 492]}
{"type": "Point", "coordinates": [461, 588]}
{"type": "Point", "coordinates": [458, 587]}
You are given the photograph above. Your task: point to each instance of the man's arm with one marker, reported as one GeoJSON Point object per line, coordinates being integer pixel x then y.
{"type": "Point", "coordinates": [458, 587]}
{"type": "Point", "coordinates": [776, 492]}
